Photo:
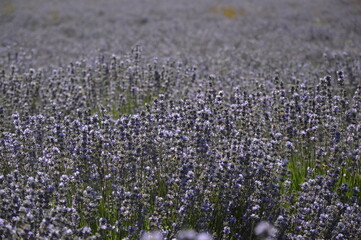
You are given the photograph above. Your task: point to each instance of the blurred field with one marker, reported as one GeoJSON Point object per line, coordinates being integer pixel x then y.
{"type": "Point", "coordinates": [57, 32]}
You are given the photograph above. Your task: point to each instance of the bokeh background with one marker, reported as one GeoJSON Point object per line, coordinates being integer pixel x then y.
{"type": "Point", "coordinates": [218, 35]}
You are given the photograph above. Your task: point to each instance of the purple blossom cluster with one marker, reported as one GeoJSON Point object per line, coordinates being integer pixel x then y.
{"type": "Point", "coordinates": [233, 120]}
{"type": "Point", "coordinates": [220, 162]}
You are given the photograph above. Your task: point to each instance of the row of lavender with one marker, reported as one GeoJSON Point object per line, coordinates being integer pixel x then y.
{"type": "Point", "coordinates": [111, 150]}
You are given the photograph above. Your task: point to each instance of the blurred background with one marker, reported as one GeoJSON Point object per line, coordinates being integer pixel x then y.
{"type": "Point", "coordinates": [217, 35]}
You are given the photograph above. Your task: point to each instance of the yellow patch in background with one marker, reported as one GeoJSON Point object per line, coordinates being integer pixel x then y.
{"type": "Point", "coordinates": [318, 21]}
{"type": "Point", "coordinates": [228, 11]}
{"type": "Point", "coordinates": [7, 7]}
{"type": "Point", "coordinates": [54, 16]}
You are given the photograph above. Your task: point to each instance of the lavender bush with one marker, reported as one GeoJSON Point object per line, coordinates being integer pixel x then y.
{"type": "Point", "coordinates": [209, 131]}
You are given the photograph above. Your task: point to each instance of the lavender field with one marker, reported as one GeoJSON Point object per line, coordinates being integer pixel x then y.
{"type": "Point", "coordinates": [180, 119]}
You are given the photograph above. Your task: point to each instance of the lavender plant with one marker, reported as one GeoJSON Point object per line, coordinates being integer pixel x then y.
{"type": "Point", "coordinates": [196, 133]}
